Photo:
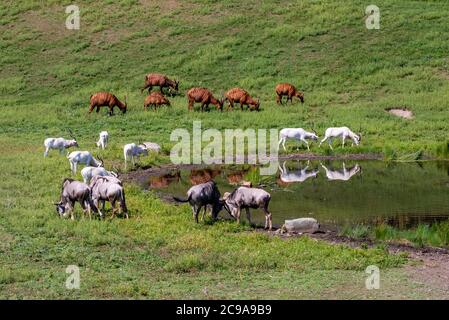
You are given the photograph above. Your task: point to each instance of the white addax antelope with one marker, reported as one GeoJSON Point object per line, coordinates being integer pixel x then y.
{"type": "Point", "coordinates": [297, 134]}
{"type": "Point", "coordinates": [103, 140]}
{"type": "Point", "coordinates": [83, 157]}
{"type": "Point", "coordinates": [58, 143]}
{"type": "Point", "coordinates": [344, 174]}
{"type": "Point", "coordinates": [133, 150]}
{"type": "Point", "coordinates": [343, 132]}
{"type": "Point", "coordinates": [298, 175]}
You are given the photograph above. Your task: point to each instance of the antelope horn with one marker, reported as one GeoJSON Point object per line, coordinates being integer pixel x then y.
{"type": "Point", "coordinates": [71, 133]}
{"type": "Point", "coordinates": [101, 160]}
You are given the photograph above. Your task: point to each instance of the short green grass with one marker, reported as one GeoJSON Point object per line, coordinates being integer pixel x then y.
{"type": "Point", "coordinates": [348, 73]}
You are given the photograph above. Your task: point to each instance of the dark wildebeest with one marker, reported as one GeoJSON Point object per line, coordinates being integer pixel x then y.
{"type": "Point", "coordinates": [159, 80]}
{"type": "Point", "coordinates": [154, 100]}
{"type": "Point", "coordinates": [205, 97]}
{"type": "Point", "coordinates": [106, 99]}
{"type": "Point", "coordinates": [289, 90]}
{"type": "Point", "coordinates": [75, 191]}
{"type": "Point", "coordinates": [202, 195]}
{"type": "Point", "coordinates": [106, 189]}
{"type": "Point", "coordinates": [237, 95]}
{"type": "Point", "coordinates": [245, 198]}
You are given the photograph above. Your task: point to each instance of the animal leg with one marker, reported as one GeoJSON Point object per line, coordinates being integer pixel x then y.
{"type": "Point", "coordinates": [237, 217]}
{"type": "Point", "coordinates": [307, 144]}
{"type": "Point", "coordinates": [83, 205]}
{"type": "Point", "coordinates": [46, 151]}
{"type": "Point", "coordinates": [197, 211]}
{"type": "Point", "coordinates": [278, 98]}
{"type": "Point", "coordinates": [111, 110]}
{"type": "Point", "coordinates": [330, 143]}
{"type": "Point", "coordinates": [98, 109]}
{"type": "Point", "coordinates": [325, 138]}
{"type": "Point", "coordinates": [193, 211]}
{"type": "Point", "coordinates": [268, 221]}
{"type": "Point", "coordinates": [204, 212]}
{"type": "Point", "coordinates": [72, 210]}
{"type": "Point", "coordinates": [96, 203]}
{"type": "Point", "coordinates": [231, 104]}
{"type": "Point", "coordinates": [114, 209]}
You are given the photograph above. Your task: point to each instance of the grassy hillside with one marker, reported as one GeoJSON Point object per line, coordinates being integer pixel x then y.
{"type": "Point", "coordinates": [349, 75]}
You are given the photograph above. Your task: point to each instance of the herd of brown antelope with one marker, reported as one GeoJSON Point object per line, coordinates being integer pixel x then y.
{"type": "Point", "coordinates": [194, 95]}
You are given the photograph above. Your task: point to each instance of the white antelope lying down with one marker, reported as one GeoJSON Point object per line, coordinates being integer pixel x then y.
{"type": "Point", "coordinates": [83, 157]}
{"type": "Point", "coordinates": [343, 132]}
{"type": "Point", "coordinates": [297, 134]}
{"type": "Point", "coordinates": [58, 143]}
{"type": "Point", "coordinates": [89, 172]}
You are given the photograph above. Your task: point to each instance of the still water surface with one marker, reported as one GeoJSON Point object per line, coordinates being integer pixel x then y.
{"type": "Point", "coordinates": [335, 192]}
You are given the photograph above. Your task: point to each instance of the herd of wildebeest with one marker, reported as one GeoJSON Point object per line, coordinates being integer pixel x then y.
{"type": "Point", "coordinates": [101, 185]}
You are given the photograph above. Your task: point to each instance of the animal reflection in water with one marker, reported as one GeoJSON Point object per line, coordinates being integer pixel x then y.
{"type": "Point", "coordinates": [165, 180]}
{"type": "Point", "coordinates": [203, 175]}
{"type": "Point", "coordinates": [343, 174]}
{"type": "Point", "coordinates": [297, 175]}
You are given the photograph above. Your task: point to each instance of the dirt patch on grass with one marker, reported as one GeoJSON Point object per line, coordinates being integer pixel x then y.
{"type": "Point", "coordinates": [401, 112]}
{"type": "Point", "coordinates": [48, 29]}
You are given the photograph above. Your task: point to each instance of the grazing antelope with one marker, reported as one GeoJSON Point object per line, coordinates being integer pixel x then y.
{"type": "Point", "coordinates": [58, 143]}
{"type": "Point", "coordinates": [237, 95]}
{"type": "Point", "coordinates": [154, 100]}
{"type": "Point", "coordinates": [297, 134]}
{"type": "Point", "coordinates": [245, 198]}
{"type": "Point", "coordinates": [103, 189]}
{"type": "Point", "coordinates": [88, 172]}
{"type": "Point", "coordinates": [344, 174]}
{"type": "Point", "coordinates": [203, 96]}
{"type": "Point", "coordinates": [83, 157]}
{"type": "Point", "coordinates": [106, 99]}
{"type": "Point", "coordinates": [298, 175]}
{"type": "Point", "coordinates": [343, 132]}
{"type": "Point", "coordinates": [103, 140]}
{"type": "Point", "coordinates": [74, 191]}
{"type": "Point", "coordinates": [132, 150]}
{"type": "Point", "coordinates": [159, 80]}
{"type": "Point", "coordinates": [289, 90]}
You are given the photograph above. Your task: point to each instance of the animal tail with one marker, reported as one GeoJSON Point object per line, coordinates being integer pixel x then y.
{"type": "Point", "coordinates": [93, 207]}
{"type": "Point", "coordinates": [123, 202]}
{"type": "Point", "coordinates": [177, 199]}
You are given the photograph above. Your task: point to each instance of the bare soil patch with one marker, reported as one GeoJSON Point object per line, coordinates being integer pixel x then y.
{"type": "Point", "coordinates": [401, 112]}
